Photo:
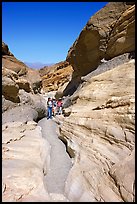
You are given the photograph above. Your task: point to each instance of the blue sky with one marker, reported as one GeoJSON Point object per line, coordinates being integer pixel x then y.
{"type": "Point", "coordinates": [44, 31]}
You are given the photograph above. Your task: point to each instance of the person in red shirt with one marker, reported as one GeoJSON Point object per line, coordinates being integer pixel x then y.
{"type": "Point", "coordinates": [59, 106]}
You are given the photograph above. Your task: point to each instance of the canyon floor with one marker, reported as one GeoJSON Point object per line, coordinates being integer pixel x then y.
{"type": "Point", "coordinates": [60, 162]}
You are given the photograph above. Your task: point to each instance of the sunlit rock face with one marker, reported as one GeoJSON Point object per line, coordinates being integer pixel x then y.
{"type": "Point", "coordinates": [10, 62]}
{"type": "Point", "coordinates": [20, 85]}
{"type": "Point", "coordinates": [100, 132]}
{"type": "Point", "coordinates": [108, 33]}
{"type": "Point", "coordinates": [99, 127]}
{"type": "Point", "coordinates": [24, 153]}
{"type": "Point", "coordinates": [28, 79]}
{"type": "Point", "coordinates": [56, 76]}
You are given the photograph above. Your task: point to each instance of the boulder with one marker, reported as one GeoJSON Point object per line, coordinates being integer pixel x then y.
{"type": "Point", "coordinates": [24, 84]}
{"type": "Point", "coordinates": [35, 80]}
{"type": "Point", "coordinates": [22, 113]}
{"type": "Point", "coordinates": [10, 62]}
{"type": "Point", "coordinates": [10, 89]}
{"type": "Point", "coordinates": [35, 101]}
{"type": "Point", "coordinates": [108, 33]}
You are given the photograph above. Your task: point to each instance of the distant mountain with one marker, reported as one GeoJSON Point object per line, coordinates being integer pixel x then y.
{"type": "Point", "coordinates": [37, 65]}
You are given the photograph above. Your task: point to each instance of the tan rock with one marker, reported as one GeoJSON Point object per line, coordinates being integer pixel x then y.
{"type": "Point", "coordinates": [54, 80]}
{"type": "Point", "coordinates": [10, 62]}
{"type": "Point", "coordinates": [10, 89]}
{"type": "Point", "coordinates": [125, 182]}
{"type": "Point", "coordinates": [52, 68]}
{"type": "Point", "coordinates": [13, 65]}
{"type": "Point", "coordinates": [108, 33]}
{"type": "Point", "coordinates": [9, 73]}
{"type": "Point", "coordinates": [24, 84]}
{"type": "Point", "coordinates": [24, 153]}
{"type": "Point", "coordinates": [5, 49]}
{"type": "Point", "coordinates": [122, 37]}
{"type": "Point", "coordinates": [35, 80]}
{"type": "Point", "coordinates": [101, 133]}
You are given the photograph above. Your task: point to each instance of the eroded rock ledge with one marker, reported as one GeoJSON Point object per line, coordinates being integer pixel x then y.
{"type": "Point", "coordinates": [24, 154]}
{"type": "Point", "coordinates": [100, 132]}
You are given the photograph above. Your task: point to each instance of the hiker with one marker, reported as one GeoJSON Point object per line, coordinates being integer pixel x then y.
{"type": "Point", "coordinates": [59, 106]}
{"type": "Point", "coordinates": [54, 106]}
{"type": "Point", "coordinates": [49, 106]}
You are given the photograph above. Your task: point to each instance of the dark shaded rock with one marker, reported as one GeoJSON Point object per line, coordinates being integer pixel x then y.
{"type": "Point", "coordinates": [5, 50]}
{"type": "Point", "coordinates": [10, 89]}
{"type": "Point", "coordinates": [35, 101]}
{"type": "Point", "coordinates": [7, 104]}
{"type": "Point", "coordinates": [107, 65]}
{"type": "Point", "coordinates": [109, 33]}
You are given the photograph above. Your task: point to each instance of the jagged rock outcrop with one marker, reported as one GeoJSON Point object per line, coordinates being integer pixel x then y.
{"type": "Point", "coordinates": [19, 85]}
{"type": "Point", "coordinates": [31, 108]}
{"type": "Point", "coordinates": [10, 62]}
{"type": "Point", "coordinates": [28, 79]}
{"type": "Point", "coordinates": [50, 69]}
{"type": "Point", "coordinates": [10, 89]}
{"type": "Point", "coordinates": [110, 32]}
{"type": "Point", "coordinates": [100, 135]}
{"type": "Point", "coordinates": [24, 84]}
{"type": "Point", "coordinates": [5, 50]}
{"type": "Point", "coordinates": [12, 83]}
{"type": "Point", "coordinates": [56, 76]}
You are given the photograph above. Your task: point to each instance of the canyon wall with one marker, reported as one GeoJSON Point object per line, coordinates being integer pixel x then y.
{"type": "Point", "coordinates": [100, 131]}
{"type": "Point", "coordinates": [56, 77]}
{"type": "Point", "coordinates": [99, 127]}
{"type": "Point", "coordinates": [108, 33]}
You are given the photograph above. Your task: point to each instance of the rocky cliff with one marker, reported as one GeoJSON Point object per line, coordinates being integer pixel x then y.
{"type": "Point", "coordinates": [26, 78]}
{"type": "Point", "coordinates": [19, 85]}
{"type": "Point", "coordinates": [99, 127]}
{"type": "Point", "coordinates": [110, 32]}
{"type": "Point", "coordinates": [56, 77]}
{"type": "Point", "coordinates": [25, 154]}
{"type": "Point", "coordinates": [100, 135]}
{"type": "Point", "coordinates": [10, 62]}
{"type": "Point", "coordinates": [22, 142]}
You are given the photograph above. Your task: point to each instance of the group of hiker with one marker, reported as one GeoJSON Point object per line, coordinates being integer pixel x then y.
{"type": "Point", "coordinates": [54, 107]}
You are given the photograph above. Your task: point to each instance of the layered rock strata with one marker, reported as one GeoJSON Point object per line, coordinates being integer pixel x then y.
{"type": "Point", "coordinates": [28, 79]}
{"type": "Point", "coordinates": [100, 135]}
{"type": "Point", "coordinates": [19, 87]}
{"type": "Point", "coordinates": [24, 154]}
{"type": "Point", "coordinates": [56, 77]}
{"type": "Point", "coordinates": [10, 62]}
{"type": "Point", "coordinates": [99, 128]}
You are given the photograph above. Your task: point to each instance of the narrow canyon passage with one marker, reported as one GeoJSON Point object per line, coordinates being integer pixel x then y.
{"type": "Point", "coordinates": [60, 162]}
